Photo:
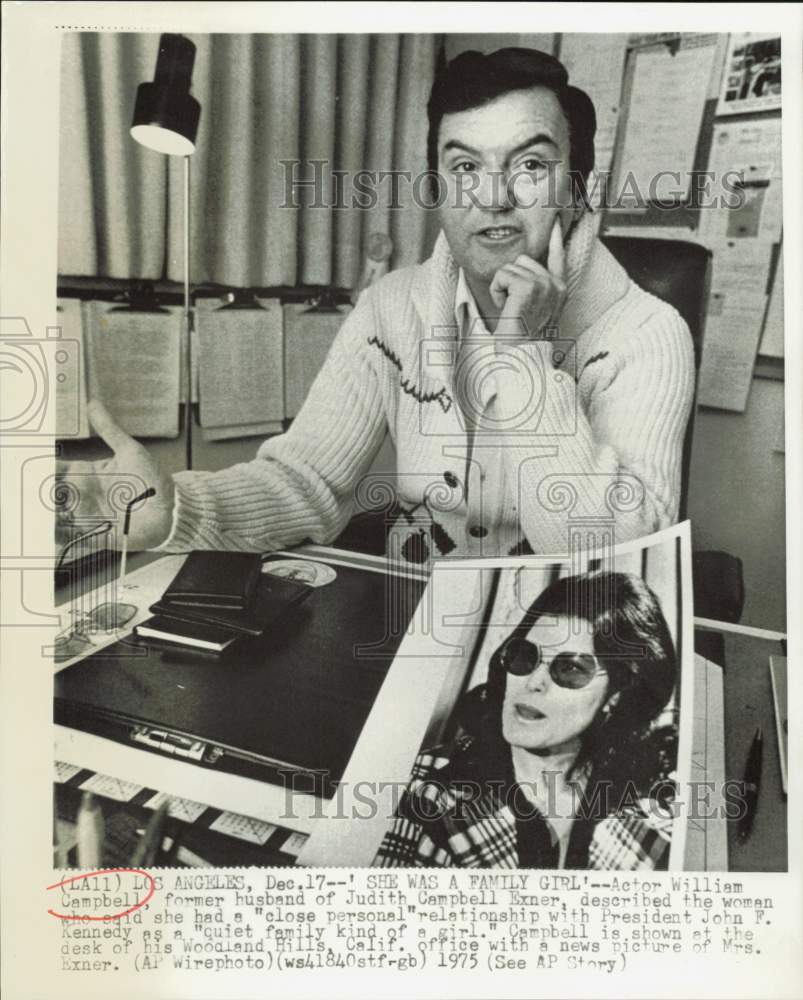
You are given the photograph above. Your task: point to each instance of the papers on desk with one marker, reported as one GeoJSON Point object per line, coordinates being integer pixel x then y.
{"type": "Point", "coordinates": [240, 369]}
{"type": "Point", "coordinates": [665, 111]}
{"type": "Point", "coordinates": [706, 835]}
{"type": "Point", "coordinates": [255, 831]}
{"type": "Point", "coordinates": [733, 326]}
{"type": "Point", "coordinates": [111, 788]}
{"type": "Point", "coordinates": [294, 844]}
{"type": "Point", "coordinates": [780, 704]}
{"type": "Point", "coordinates": [65, 771]}
{"type": "Point", "coordinates": [134, 366]}
{"type": "Point", "coordinates": [183, 809]}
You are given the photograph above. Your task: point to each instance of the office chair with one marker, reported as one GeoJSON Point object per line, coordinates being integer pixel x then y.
{"type": "Point", "coordinates": [679, 273]}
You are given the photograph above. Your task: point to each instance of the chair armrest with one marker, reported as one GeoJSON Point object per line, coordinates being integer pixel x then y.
{"type": "Point", "coordinates": [367, 532]}
{"type": "Point", "coordinates": [718, 586]}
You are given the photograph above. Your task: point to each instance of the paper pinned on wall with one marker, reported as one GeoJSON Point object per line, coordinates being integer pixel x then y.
{"type": "Point", "coordinates": [665, 111]}
{"type": "Point", "coordinates": [307, 337]}
{"type": "Point", "coordinates": [71, 417]}
{"type": "Point", "coordinates": [240, 369]}
{"type": "Point", "coordinates": [772, 338]}
{"type": "Point", "coordinates": [751, 80]}
{"type": "Point", "coordinates": [745, 168]}
{"type": "Point", "coordinates": [596, 65]}
{"type": "Point", "coordinates": [733, 325]}
{"type": "Point", "coordinates": [134, 366]}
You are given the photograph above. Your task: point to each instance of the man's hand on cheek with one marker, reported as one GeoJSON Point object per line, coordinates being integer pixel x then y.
{"type": "Point", "coordinates": [529, 295]}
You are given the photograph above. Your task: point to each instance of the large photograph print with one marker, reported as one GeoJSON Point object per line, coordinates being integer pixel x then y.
{"type": "Point", "coordinates": [420, 493]}
{"type": "Point", "coordinates": [562, 749]}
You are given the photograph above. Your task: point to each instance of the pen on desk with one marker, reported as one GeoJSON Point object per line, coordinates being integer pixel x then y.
{"type": "Point", "coordinates": [752, 784]}
{"type": "Point", "coordinates": [150, 492]}
{"type": "Point", "coordinates": [149, 843]}
{"type": "Point", "coordinates": [89, 832]}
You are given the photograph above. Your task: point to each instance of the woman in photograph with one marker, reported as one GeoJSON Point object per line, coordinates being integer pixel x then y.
{"type": "Point", "coordinates": [559, 763]}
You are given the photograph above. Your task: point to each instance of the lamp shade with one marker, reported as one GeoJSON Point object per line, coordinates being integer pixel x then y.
{"type": "Point", "coordinates": [165, 114]}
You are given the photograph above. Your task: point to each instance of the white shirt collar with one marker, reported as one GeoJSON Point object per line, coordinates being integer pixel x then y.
{"type": "Point", "coordinates": [465, 308]}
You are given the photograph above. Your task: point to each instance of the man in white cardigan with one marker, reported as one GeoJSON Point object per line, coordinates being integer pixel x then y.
{"type": "Point", "coordinates": [537, 399]}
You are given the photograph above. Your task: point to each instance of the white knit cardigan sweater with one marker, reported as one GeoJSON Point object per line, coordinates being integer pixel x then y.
{"type": "Point", "coordinates": [579, 443]}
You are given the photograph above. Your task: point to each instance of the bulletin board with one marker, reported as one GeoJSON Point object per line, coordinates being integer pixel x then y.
{"type": "Point", "coordinates": [677, 118]}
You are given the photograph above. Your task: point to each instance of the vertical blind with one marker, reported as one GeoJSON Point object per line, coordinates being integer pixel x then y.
{"type": "Point", "coordinates": [271, 105]}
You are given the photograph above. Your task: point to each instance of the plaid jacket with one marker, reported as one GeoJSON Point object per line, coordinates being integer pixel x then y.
{"type": "Point", "coordinates": [447, 822]}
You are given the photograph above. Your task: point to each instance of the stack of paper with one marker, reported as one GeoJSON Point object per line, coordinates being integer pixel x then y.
{"type": "Point", "coordinates": [308, 335]}
{"type": "Point", "coordinates": [596, 65]}
{"type": "Point", "coordinates": [134, 366]}
{"type": "Point", "coordinates": [71, 417]}
{"type": "Point", "coordinates": [665, 112]}
{"type": "Point", "coordinates": [240, 369]}
{"type": "Point", "coordinates": [733, 326]}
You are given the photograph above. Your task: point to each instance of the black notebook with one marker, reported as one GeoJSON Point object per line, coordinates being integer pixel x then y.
{"type": "Point", "coordinates": [273, 597]}
{"type": "Point", "coordinates": [215, 580]}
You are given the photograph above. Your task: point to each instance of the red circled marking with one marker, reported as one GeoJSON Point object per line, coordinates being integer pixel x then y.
{"type": "Point", "coordinates": [104, 871]}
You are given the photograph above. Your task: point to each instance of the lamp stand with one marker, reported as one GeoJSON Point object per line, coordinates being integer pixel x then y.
{"type": "Point", "coordinates": [188, 324]}
{"type": "Point", "coordinates": [166, 120]}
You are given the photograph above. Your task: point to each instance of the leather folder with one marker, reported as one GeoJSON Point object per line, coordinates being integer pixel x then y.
{"type": "Point", "coordinates": [272, 599]}
{"type": "Point", "coordinates": [215, 580]}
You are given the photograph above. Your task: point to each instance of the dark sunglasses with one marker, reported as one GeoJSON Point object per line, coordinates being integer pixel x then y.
{"type": "Point", "coordinates": [568, 670]}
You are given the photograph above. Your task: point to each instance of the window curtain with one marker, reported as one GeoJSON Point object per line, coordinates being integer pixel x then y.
{"type": "Point", "coordinates": [355, 102]}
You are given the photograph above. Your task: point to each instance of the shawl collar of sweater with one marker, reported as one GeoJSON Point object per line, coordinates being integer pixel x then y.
{"type": "Point", "coordinates": [595, 282]}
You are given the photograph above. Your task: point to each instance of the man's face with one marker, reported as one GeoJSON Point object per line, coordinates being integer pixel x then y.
{"type": "Point", "coordinates": [506, 166]}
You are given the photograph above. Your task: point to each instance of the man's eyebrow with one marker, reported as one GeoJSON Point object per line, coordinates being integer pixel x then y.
{"type": "Point", "coordinates": [540, 138]}
{"type": "Point", "coordinates": [537, 140]}
{"type": "Point", "coordinates": [456, 144]}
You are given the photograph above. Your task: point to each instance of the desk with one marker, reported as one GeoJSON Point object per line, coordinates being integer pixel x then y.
{"type": "Point", "coordinates": [303, 695]}
{"type": "Point", "coordinates": [747, 704]}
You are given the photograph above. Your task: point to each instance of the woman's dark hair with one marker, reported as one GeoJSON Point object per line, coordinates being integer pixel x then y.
{"type": "Point", "coordinates": [472, 79]}
{"type": "Point", "coordinates": [633, 642]}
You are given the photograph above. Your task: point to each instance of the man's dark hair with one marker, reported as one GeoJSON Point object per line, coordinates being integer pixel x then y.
{"type": "Point", "coordinates": [472, 79]}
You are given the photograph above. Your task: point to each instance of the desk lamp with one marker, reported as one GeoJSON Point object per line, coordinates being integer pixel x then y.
{"type": "Point", "coordinates": [166, 120]}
